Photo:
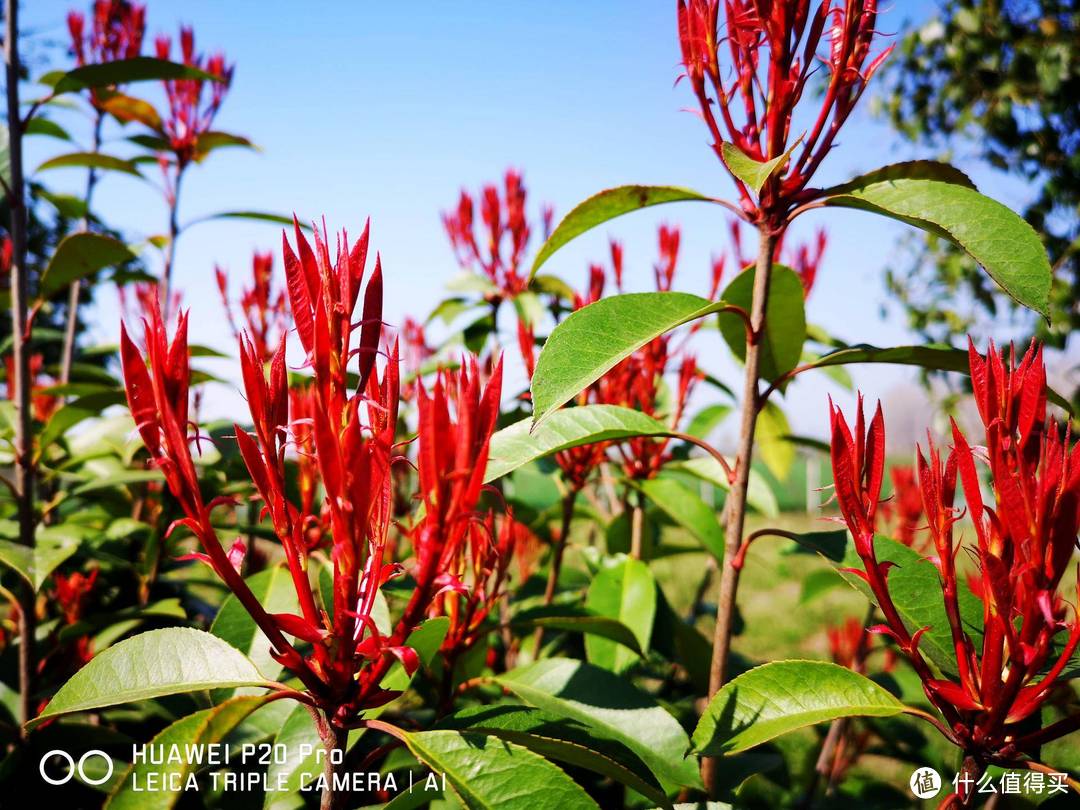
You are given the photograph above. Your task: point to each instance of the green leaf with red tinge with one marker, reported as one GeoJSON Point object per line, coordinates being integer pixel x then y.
{"type": "Point", "coordinates": [608, 204]}
{"type": "Point", "coordinates": [932, 197]}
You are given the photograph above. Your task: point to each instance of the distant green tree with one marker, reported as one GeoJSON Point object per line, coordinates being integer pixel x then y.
{"type": "Point", "coordinates": [1002, 78]}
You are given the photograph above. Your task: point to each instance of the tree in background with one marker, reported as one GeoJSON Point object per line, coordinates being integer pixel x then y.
{"type": "Point", "coordinates": [1001, 77]}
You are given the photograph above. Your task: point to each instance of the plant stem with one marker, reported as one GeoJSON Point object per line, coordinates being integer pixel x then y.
{"type": "Point", "coordinates": [637, 526]}
{"type": "Point", "coordinates": [170, 251]}
{"type": "Point", "coordinates": [68, 355]}
{"type": "Point", "coordinates": [333, 739]}
{"type": "Point", "coordinates": [736, 502]}
{"type": "Point", "coordinates": [20, 294]}
{"type": "Point", "coordinates": [557, 550]}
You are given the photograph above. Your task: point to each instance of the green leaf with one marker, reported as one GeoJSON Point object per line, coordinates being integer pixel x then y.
{"type": "Point", "coordinates": [125, 71]}
{"type": "Point", "coordinates": [303, 760]}
{"type": "Point", "coordinates": [563, 740]}
{"type": "Point", "coordinates": [997, 238]}
{"type": "Point", "coordinates": [487, 772]}
{"type": "Point", "coordinates": [193, 733]}
{"type": "Point", "coordinates": [752, 172]}
{"type": "Point", "coordinates": [623, 589]}
{"type": "Point", "coordinates": [515, 446]}
{"type": "Point", "coordinates": [758, 493]}
{"type": "Point", "coordinates": [612, 708]}
{"type": "Point", "coordinates": [88, 160]}
{"type": "Point", "coordinates": [122, 478]}
{"type": "Point", "coordinates": [52, 545]}
{"type": "Point", "coordinates": [915, 588]}
{"type": "Point", "coordinates": [575, 619]}
{"type": "Point", "coordinates": [707, 420]}
{"type": "Point", "coordinates": [161, 662]}
{"type": "Point", "coordinates": [274, 589]}
{"type": "Point", "coordinates": [931, 356]}
{"type": "Point", "coordinates": [785, 320]}
{"type": "Point", "coordinates": [773, 446]}
{"type": "Point", "coordinates": [598, 209]}
{"type": "Point", "coordinates": [73, 413]}
{"type": "Point", "coordinates": [594, 339]}
{"type": "Point", "coordinates": [686, 508]}
{"type": "Point", "coordinates": [43, 126]}
{"type": "Point", "coordinates": [782, 696]}
{"type": "Point", "coordinates": [209, 141]}
{"type": "Point", "coordinates": [78, 256]}
{"type": "Point", "coordinates": [426, 640]}
{"type": "Point", "coordinates": [258, 216]}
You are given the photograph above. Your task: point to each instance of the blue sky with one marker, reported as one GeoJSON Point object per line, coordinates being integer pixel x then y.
{"type": "Point", "coordinates": [387, 110]}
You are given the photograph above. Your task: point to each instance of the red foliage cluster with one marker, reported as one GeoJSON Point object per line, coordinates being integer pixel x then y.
{"type": "Point", "coordinates": [345, 443]}
{"type": "Point", "coordinates": [116, 32]}
{"type": "Point", "coordinates": [498, 249]}
{"type": "Point", "coordinates": [191, 116]}
{"type": "Point", "coordinates": [265, 311]}
{"type": "Point", "coordinates": [1025, 540]}
{"type": "Point", "coordinates": [773, 50]}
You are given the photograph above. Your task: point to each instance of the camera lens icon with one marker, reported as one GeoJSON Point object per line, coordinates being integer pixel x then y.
{"type": "Point", "coordinates": [74, 767]}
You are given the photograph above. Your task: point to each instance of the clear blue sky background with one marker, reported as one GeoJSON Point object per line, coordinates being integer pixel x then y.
{"type": "Point", "coordinates": [387, 109]}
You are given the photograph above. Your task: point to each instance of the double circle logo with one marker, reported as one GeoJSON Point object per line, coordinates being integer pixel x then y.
{"type": "Point", "coordinates": [75, 767]}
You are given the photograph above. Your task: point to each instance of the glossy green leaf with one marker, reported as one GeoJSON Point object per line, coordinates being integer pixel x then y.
{"type": "Point", "coordinates": [44, 126]}
{"type": "Point", "coordinates": [426, 640]}
{"type": "Point", "coordinates": [160, 662]}
{"type": "Point", "coordinates": [515, 446]}
{"type": "Point", "coordinates": [257, 216]}
{"type": "Point", "coordinates": [705, 421]}
{"type": "Point", "coordinates": [996, 237]}
{"type": "Point", "coordinates": [686, 508]}
{"type": "Point", "coordinates": [488, 773]}
{"type": "Point", "coordinates": [931, 356]}
{"type": "Point", "coordinates": [915, 588]}
{"type": "Point", "coordinates": [303, 760]}
{"type": "Point", "coordinates": [608, 204]}
{"type": "Point", "coordinates": [752, 172]}
{"type": "Point", "coordinates": [759, 495]}
{"type": "Point", "coordinates": [52, 545]}
{"type": "Point", "coordinates": [273, 587]}
{"type": "Point", "coordinates": [80, 255]}
{"type": "Point", "coordinates": [782, 696]}
{"type": "Point", "coordinates": [193, 733]}
{"type": "Point", "coordinates": [592, 340]}
{"type": "Point", "coordinates": [575, 619]}
{"type": "Point", "coordinates": [209, 141]}
{"type": "Point", "coordinates": [561, 740]}
{"type": "Point", "coordinates": [613, 708]}
{"type": "Point", "coordinates": [624, 590]}
{"type": "Point", "coordinates": [122, 478]}
{"type": "Point", "coordinates": [87, 160]}
{"type": "Point", "coordinates": [785, 320]}
{"type": "Point", "coordinates": [125, 71]}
